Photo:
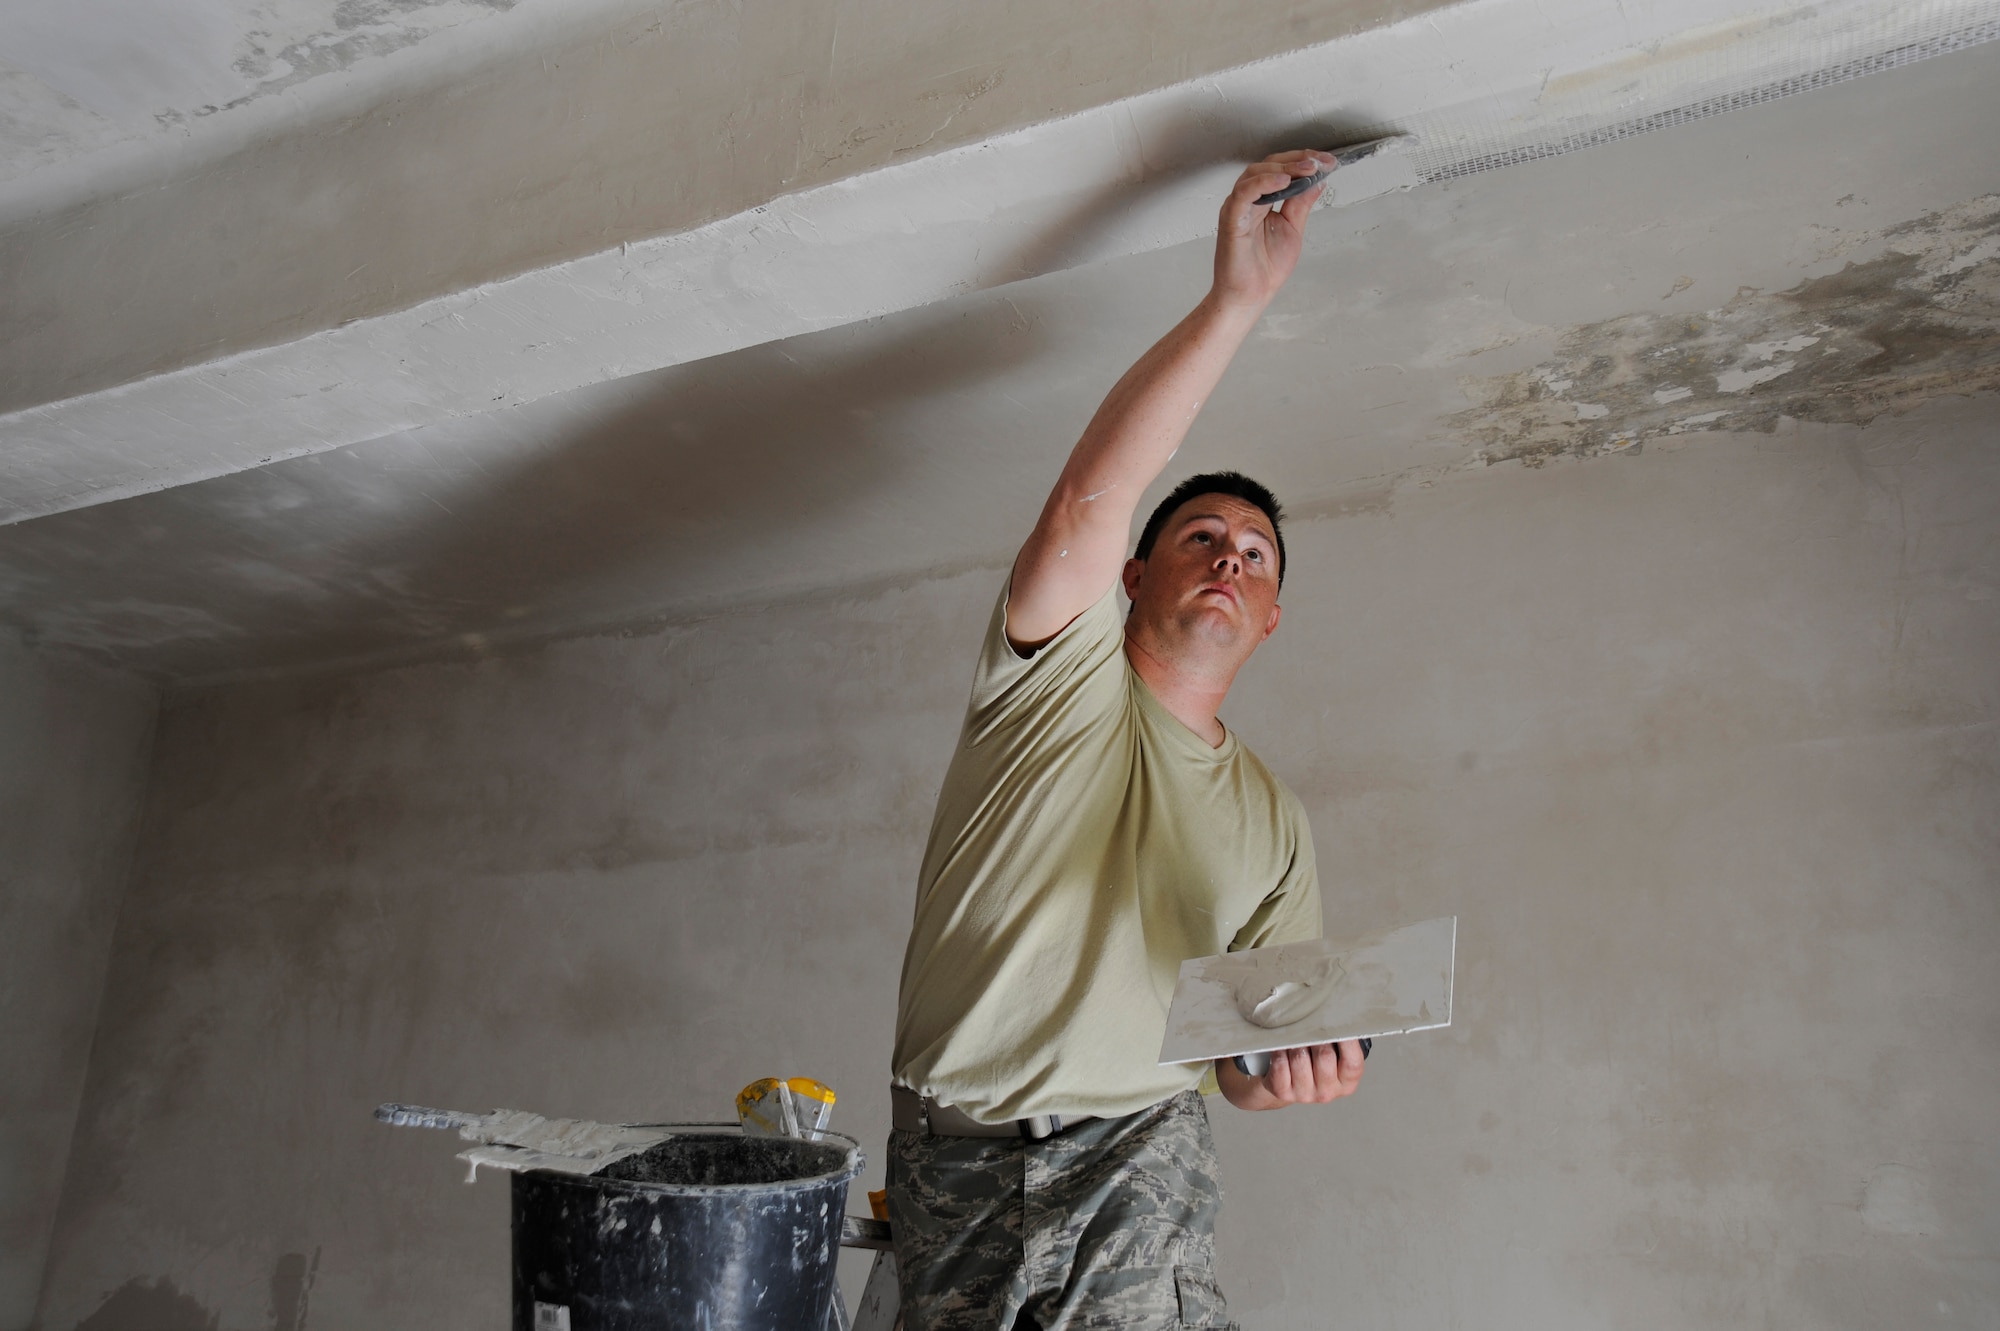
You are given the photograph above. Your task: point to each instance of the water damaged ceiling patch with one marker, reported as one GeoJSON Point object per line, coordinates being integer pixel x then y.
{"type": "Point", "coordinates": [1879, 336]}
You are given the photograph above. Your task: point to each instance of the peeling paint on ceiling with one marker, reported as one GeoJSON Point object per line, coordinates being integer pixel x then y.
{"type": "Point", "coordinates": [91, 73]}
{"type": "Point", "coordinates": [355, 30]}
{"type": "Point", "coordinates": [1879, 336]}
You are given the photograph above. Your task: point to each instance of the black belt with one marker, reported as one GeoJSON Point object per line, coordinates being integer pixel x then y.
{"type": "Point", "coordinates": [919, 1113]}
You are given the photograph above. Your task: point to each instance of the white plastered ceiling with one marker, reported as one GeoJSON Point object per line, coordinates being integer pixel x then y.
{"type": "Point", "coordinates": [340, 333]}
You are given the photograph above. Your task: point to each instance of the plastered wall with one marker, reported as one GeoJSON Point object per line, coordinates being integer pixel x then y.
{"type": "Point", "coordinates": [73, 749]}
{"type": "Point", "coordinates": [1698, 743]}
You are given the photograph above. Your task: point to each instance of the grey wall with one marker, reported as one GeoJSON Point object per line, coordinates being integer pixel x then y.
{"type": "Point", "coordinates": [73, 747]}
{"type": "Point", "coordinates": [1698, 743]}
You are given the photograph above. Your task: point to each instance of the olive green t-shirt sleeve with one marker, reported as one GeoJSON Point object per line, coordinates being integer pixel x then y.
{"type": "Point", "coordinates": [1291, 912]}
{"type": "Point", "coordinates": [1083, 660]}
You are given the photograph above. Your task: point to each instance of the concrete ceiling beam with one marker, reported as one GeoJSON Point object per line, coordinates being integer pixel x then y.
{"type": "Point", "coordinates": [1479, 84]}
{"type": "Point", "coordinates": [236, 174]}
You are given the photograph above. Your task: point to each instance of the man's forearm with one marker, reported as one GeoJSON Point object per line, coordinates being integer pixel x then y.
{"type": "Point", "coordinates": [1147, 414]}
{"type": "Point", "coordinates": [1079, 540]}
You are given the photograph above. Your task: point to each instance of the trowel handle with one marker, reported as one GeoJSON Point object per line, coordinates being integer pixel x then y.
{"type": "Point", "coordinates": [1253, 1065]}
{"type": "Point", "coordinates": [1256, 1065]}
{"type": "Point", "coordinates": [417, 1116]}
{"type": "Point", "coordinates": [1353, 152]}
{"type": "Point", "coordinates": [1298, 186]}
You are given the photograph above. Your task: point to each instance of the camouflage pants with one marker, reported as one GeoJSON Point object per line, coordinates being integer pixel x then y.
{"type": "Point", "coordinates": [1108, 1225]}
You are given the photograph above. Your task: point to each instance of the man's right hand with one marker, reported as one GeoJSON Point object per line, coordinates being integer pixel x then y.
{"type": "Point", "coordinates": [1256, 248]}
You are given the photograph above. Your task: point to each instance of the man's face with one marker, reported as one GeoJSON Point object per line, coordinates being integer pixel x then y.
{"type": "Point", "coordinates": [1208, 591]}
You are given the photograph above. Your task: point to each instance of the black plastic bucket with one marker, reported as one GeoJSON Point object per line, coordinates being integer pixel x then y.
{"type": "Point", "coordinates": [708, 1231]}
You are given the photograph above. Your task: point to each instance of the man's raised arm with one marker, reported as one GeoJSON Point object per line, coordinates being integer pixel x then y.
{"type": "Point", "coordinates": [1078, 545]}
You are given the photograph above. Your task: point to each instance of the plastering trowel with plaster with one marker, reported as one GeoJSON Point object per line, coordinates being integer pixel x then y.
{"type": "Point", "coordinates": [514, 1139]}
{"type": "Point", "coordinates": [1248, 1004]}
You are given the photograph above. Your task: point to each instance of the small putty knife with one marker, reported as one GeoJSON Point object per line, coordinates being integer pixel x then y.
{"type": "Point", "coordinates": [1352, 153]}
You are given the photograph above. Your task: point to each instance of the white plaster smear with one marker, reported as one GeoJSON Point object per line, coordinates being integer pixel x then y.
{"type": "Point", "coordinates": [515, 1139]}
{"type": "Point", "coordinates": [1287, 988]}
{"type": "Point", "coordinates": [1479, 85]}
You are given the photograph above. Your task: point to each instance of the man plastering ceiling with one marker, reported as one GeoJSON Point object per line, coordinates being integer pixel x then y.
{"type": "Point", "coordinates": [1098, 826]}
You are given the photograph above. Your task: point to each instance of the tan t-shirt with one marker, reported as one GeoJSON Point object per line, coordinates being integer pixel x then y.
{"type": "Point", "coordinates": [1085, 844]}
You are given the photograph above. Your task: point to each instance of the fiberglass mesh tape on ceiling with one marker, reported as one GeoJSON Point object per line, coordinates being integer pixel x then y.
{"type": "Point", "coordinates": [1705, 72]}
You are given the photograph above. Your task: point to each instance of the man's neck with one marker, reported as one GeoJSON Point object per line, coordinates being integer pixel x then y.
{"type": "Point", "coordinates": [1190, 697]}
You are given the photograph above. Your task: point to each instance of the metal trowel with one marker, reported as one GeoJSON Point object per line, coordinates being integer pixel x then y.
{"type": "Point", "coordinates": [1393, 167]}
{"type": "Point", "coordinates": [1249, 1004]}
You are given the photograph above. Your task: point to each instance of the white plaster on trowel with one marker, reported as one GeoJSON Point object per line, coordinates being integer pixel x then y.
{"type": "Point", "coordinates": [514, 1139]}
{"type": "Point", "coordinates": [1286, 987]}
{"type": "Point", "coordinates": [1385, 983]}
{"type": "Point", "coordinates": [1471, 83]}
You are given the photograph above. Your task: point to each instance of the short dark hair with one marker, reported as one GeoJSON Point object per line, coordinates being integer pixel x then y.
{"type": "Point", "coordinates": [1233, 483]}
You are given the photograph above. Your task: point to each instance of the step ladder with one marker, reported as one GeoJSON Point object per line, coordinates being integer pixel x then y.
{"type": "Point", "coordinates": [881, 1306]}
{"type": "Point", "coordinates": [801, 1107]}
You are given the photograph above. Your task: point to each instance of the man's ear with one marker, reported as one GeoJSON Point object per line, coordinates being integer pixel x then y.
{"type": "Point", "coordinates": [1130, 577]}
{"type": "Point", "coordinates": [1277, 612]}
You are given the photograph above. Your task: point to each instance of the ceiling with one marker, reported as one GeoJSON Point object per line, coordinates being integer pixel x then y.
{"type": "Point", "coordinates": [466, 324]}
